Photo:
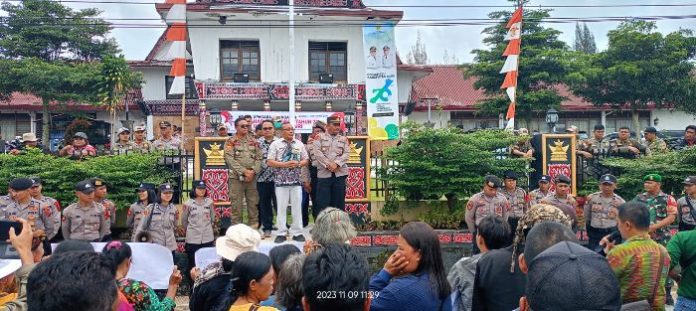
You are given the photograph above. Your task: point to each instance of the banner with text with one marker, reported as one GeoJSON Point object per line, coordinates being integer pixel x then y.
{"type": "Point", "coordinates": [303, 120]}
{"type": "Point", "coordinates": [382, 97]}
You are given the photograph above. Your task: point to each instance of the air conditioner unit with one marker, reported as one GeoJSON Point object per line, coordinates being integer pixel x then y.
{"type": "Point", "coordinates": [326, 78]}
{"type": "Point", "coordinates": [241, 78]}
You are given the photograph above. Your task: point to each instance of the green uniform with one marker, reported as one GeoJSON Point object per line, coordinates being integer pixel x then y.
{"type": "Point", "coordinates": [681, 248]}
{"type": "Point", "coordinates": [243, 154]}
{"type": "Point", "coordinates": [660, 207]}
{"type": "Point", "coordinates": [656, 146]}
{"type": "Point", "coordinates": [620, 147]}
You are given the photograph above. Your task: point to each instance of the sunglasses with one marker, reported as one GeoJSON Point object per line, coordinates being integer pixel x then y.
{"type": "Point", "coordinates": [163, 127]}
{"type": "Point", "coordinates": [267, 128]}
{"type": "Point", "coordinates": [244, 126]}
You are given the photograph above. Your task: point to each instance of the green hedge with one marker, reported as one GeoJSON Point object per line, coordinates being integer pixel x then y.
{"type": "Point", "coordinates": [122, 172]}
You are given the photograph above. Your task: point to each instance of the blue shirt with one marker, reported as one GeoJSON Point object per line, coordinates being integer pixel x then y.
{"type": "Point", "coordinates": [410, 292]}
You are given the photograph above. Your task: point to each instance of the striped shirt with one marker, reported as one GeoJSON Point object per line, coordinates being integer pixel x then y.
{"type": "Point", "coordinates": [635, 263]}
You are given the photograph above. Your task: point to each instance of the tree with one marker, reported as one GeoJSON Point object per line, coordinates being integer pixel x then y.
{"type": "Point", "coordinates": [418, 54]}
{"type": "Point", "coordinates": [543, 64]}
{"type": "Point", "coordinates": [640, 67]}
{"type": "Point", "coordinates": [117, 81]}
{"type": "Point", "coordinates": [51, 51]}
{"type": "Point", "coordinates": [584, 40]}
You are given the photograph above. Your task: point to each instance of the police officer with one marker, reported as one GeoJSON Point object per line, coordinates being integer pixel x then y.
{"type": "Point", "coordinates": [687, 205]}
{"type": "Point", "coordinates": [486, 203]}
{"type": "Point", "coordinates": [198, 217]}
{"type": "Point", "coordinates": [535, 196]}
{"type": "Point", "coordinates": [84, 220]}
{"type": "Point", "coordinates": [516, 197]}
{"type": "Point", "coordinates": [139, 142]}
{"type": "Point", "coordinates": [167, 140]}
{"type": "Point", "coordinates": [124, 145]}
{"type": "Point", "coordinates": [100, 192]}
{"type": "Point", "coordinates": [318, 128]}
{"type": "Point", "coordinates": [625, 146]}
{"type": "Point", "coordinates": [159, 220]}
{"type": "Point", "coordinates": [654, 144]}
{"type": "Point", "coordinates": [596, 145]}
{"type": "Point", "coordinates": [50, 206]}
{"type": "Point", "coordinates": [601, 210]}
{"type": "Point", "coordinates": [243, 157]}
{"type": "Point", "coordinates": [146, 196]}
{"type": "Point", "coordinates": [663, 212]}
{"type": "Point", "coordinates": [562, 198]}
{"type": "Point", "coordinates": [330, 152]}
{"type": "Point", "coordinates": [25, 207]}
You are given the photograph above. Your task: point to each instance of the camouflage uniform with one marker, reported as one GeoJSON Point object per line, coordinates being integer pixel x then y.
{"type": "Point", "coordinates": [161, 226]}
{"type": "Point", "coordinates": [620, 147]}
{"type": "Point", "coordinates": [522, 146]}
{"type": "Point", "coordinates": [535, 214]}
{"type": "Point", "coordinates": [54, 207]}
{"type": "Point", "coordinates": [567, 205]}
{"type": "Point", "coordinates": [144, 146]}
{"type": "Point", "coordinates": [656, 146]}
{"type": "Point", "coordinates": [600, 216]}
{"type": "Point", "coordinates": [85, 224]}
{"type": "Point", "coordinates": [594, 146]}
{"type": "Point", "coordinates": [686, 218]}
{"type": "Point", "coordinates": [660, 208]}
{"type": "Point", "coordinates": [535, 196]}
{"type": "Point", "coordinates": [242, 154]}
{"type": "Point", "coordinates": [480, 206]}
{"type": "Point", "coordinates": [40, 216]}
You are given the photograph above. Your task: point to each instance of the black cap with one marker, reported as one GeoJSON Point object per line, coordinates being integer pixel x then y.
{"type": "Point", "coordinates": [37, 181]}
{"type": "Point", "coordinates": [97, 182]}
{"type": "Point", "coordinates": [691, 180]}
{"type": "Point", "coordinates": [545, 179]}
{"type": "Point", "coordinates": [146, 186]}
{"type": "Point", "coordinates": [510, 175]}
{"type": "Point", "coordinates": [568, 276]}
{"type": "Point", "coordinates": [164, 124]}
{"type": "Point", "coordinates": [608, 179]}
{"type": "Point", "coordinates": [84, 186]}
{"type": "Point", "coordinates": [493, 181]}
{"type": "Point", "coordinates": [166, 188]}
{"type": "Point", "coordinates": [650, 129]}
{"type": "Point", "coordinates": [19, 184]}
{"type": "Point", "coordinates": [599, 127]}
{"type": "Point", "coordinates": [333, 119]}
{"type": "Point", "coordinates": [563, 179]}
{"type": "Point", "coordinates": [199, 184]}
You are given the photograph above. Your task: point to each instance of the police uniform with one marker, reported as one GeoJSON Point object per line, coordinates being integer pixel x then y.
{"type": "Point", "coordinates": [135, 215]}
{"type": "Point", "coordinates": [38, 216]}
{"type": "Point", "coordinates": [53, 209]}
{"type": "Point", "coordinates": [198, 219]}
{"type": "Point", "coordinates": [567, 204]}
{"type": "Point", "coordinates": [109, 206]}
{"type": "Point", "coordinates": [331, 186]}
{"type": "Point", "coordinates": [535, 196]}
{"type": "Point", "coordinates": [120, 148]}
{"type": "Point", "coordinates": [243, 154]}
{"type": "Point", "coordinates": [162, 144]}
{"type": "Point", "coordinates": [601, 213]}
{"type": "Point", "coordinates": [143, 147]}
{"type": "Point", "coordinates": [84, 223]}
{"type": "Point", "coordinates": [160, 222]}
{"type": "Point", "coordinates": [480, 206]}
{"type": "Point", "coordinates": [687, 208]}
{"type": "Point", "coordinates": [620, 147]}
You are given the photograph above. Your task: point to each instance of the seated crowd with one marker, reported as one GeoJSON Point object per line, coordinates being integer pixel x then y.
{"type": "Point", "coordinates": [538, 266]}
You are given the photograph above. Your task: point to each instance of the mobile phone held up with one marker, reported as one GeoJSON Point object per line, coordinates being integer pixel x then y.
{"type": "Point", "coordinates": [5, 229]}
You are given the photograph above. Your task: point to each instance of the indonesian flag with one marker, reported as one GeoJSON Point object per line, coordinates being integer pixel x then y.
{"type": "Point", "coordinates": [512, 52]}
{"type": "Point", "coordinates": [176, 41]}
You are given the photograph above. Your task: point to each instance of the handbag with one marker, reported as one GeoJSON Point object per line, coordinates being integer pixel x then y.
{"type": "Point", "coordinates": [645, 304]}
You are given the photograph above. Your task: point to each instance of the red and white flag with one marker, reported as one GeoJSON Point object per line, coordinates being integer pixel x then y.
{"type": "Point", "coordinates": [176, 45]}
{"type": "Point", "coordinates": [512, 52]}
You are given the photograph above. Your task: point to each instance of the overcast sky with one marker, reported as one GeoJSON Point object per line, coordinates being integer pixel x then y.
{"type": "Point", "coordinates": [457, 40]}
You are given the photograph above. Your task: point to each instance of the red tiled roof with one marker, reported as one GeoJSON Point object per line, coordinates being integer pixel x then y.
{"type": "Point", "coordinates": [30, 102]}
{"type": "Point", "coordinates": [448, 88]}
{"type": "Point", "coordinates": [311, 7]}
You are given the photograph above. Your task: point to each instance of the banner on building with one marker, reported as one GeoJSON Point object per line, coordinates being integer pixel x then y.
{"type": "Point", "coordinates": [381, 89]}
{"type": "Point", "coordinates": [303, 120]}
{"type": "Point", "coordinates": [558, 153]}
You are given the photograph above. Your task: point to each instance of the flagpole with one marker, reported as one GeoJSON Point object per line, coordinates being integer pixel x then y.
{"type": "Point", "coordinates": [183, 115]}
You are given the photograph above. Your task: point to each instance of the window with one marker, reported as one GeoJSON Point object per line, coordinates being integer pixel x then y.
{"type": "Point", "coordinates": [190, 88]}
{"type": "Point", "coordinates": [239, 57]}
{"type": "Point", "coordinates": [328, 57]}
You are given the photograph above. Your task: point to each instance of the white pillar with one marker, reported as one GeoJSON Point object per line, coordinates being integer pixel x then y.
{"type": "Point", "coordinates": [150, 127]}
{"type": "Point", "coordinates": [291, 72]}
{"type": "Point", "coordinates": [604, 118]}
{"type": "Point", "coordinates": [32, 122]}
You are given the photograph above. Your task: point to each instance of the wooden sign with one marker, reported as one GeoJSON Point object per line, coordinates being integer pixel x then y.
{"type": "Point", "coordinates": [558, 155]}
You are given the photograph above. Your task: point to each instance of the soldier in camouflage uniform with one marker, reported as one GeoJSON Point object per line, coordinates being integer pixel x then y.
{"type": "Point", "coordinates": [663, 212]}
{"type": "Point", "coordinates": [140, 143]}
{"type": "Point", "coordinates": [485, 203]}
{"type": "Point", "coordinates": [625, 146]}
{"type": "Point", "coordinates": [523, 148]}
{"type": "Point", "coordinates": [563, 199]}
{"type": "Point", "coordinates": [243, 157]}
{"type": "Point", "coordinates": [100, 192]}
{"type": "Point", "coordinates": [654, 144]}
{"type": "Point", "coordinates": [601, 210]}
{"type": "Point", "coordinates": [535, 196]}
{"type": "Point", "coordinates": [591, 147]}
{"type": "Point", "coordinates": [84, 220]}
{"type": "Point", "coordinates": [166, 140]}
{"type": "Point", "coordinates": [123, 145]}
{"type": "Point", "coordinates": [46, 202]}
{"type": "Point", "coordinates": [516, 197]}
{"type": "Point", "coordinates": [687, 205]}
{"type": "Point", "coordinates": [25, 207]}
